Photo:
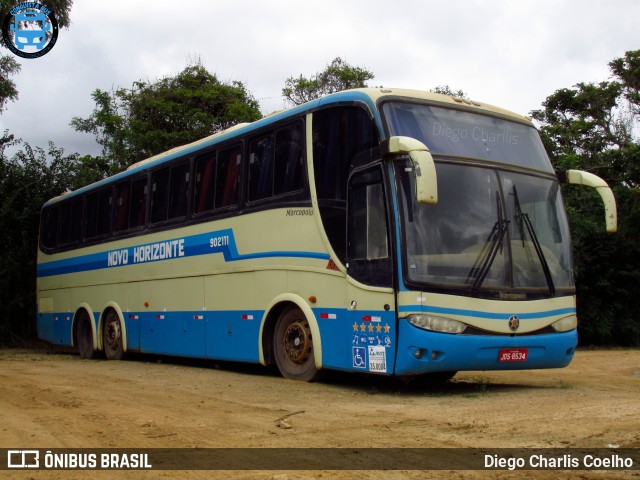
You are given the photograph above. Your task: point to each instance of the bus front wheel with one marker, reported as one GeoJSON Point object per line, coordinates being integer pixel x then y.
{"type": "Point", "coordinates": [112, 338]}
{"type": "Point", "coordinates": [293, 346]}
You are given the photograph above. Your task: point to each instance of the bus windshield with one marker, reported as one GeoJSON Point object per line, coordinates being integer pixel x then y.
{"type": "Point", "coordinates": [463, 134]}
{"type": "Point", "coordinates": [491, 231]}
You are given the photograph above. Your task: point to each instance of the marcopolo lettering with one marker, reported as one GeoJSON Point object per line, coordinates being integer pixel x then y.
{"type": "Point", "coordinates": [299, 212]}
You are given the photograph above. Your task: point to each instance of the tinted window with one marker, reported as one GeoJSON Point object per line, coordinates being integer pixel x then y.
{"type": "Point", "coordinates": [228, 177]}
{"type": "Point", "coordinates": [466, 134]}
{"type": "Point", "coordinates": [131, 200]}
{"type": "Point", "coordinates": [368, 239]}
{"type": "Point", "coordinates": [288, 163]}
{"type": "Point", "coordinates": [217, 180]}
{"type": "Point", "coordinates": [276, 163]}
{"type": "Point", "coordinates": [70, 222]}
{"type": "Point", "coordinates": [123, 196]}
{"type": "Point", "coordinates": [368, 246]}
{"type": "Point", "coordinates": [204, 186]}
{"type": "Point", "coordinates": [179, 191]}
{"type": "Point", "coordinates": [49, 227]}
{"type": "Point", "coordinates": [477, 236]}
{"type": "Point", "coordinates": [98, 214]}
{"type": "Point", "coordinates": [160, 195]}
{"type": "Point", "coordinates": [261, 167]}
{"type": "Point", "coordinates": [138, 203]}
{"type": "Point", "coordinates": [343, 138]}
{"type": "Point", "coordinates": [170, 193]}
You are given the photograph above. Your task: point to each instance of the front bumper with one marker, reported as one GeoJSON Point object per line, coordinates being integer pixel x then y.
{"type": "Point", "coordinates": [443, 352]}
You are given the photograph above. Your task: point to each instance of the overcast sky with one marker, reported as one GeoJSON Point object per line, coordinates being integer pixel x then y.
{"type": "Point", "coordinates": [511, 53]}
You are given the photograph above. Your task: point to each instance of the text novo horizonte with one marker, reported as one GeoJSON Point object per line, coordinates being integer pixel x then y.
{"type": "Point", "coordinates": [146, 253]}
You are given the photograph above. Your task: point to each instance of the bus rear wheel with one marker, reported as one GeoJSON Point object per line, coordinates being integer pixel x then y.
{"type": "Point", "coordinates": [293, 346]}
{"type": "Point", "coordinates": [112, 338]}
{"type": "Point", "coordinates": [84, 337]}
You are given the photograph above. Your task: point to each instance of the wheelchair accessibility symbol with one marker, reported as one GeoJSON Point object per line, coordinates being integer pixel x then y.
{"type": "Point", "coordinates": [359, 357]}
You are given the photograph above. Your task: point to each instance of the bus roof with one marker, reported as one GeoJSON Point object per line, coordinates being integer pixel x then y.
{"type": "Point", "coordinates": [368, 96]}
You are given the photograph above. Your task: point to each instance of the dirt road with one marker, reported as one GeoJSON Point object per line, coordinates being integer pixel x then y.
{"type": "Point", "coordinates": [55, 400]}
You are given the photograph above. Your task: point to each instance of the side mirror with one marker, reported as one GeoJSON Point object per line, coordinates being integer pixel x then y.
{"type": "Point", "coordinates": [578, 177]}
{"type": "Point", "coordinates": [423, 166]}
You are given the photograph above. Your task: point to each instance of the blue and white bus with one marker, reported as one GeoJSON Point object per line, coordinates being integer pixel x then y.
{"type": "Point", "coordinates": [375, 230]}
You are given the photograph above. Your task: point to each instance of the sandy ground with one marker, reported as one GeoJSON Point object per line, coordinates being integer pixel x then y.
{"type": "Point", "coordinates": [53, 399]}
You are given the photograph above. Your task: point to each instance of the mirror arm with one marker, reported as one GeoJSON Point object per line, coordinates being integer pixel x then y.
{"type": "Point", "coordinates": [423, 166]}
{"type": "Point", "coordinates": [579, 177]}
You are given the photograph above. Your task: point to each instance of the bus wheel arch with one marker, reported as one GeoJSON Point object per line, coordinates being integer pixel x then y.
{"type": "Point", "coordinates": [113, 332]}
{"type": "Point", "coordinates": [289, 315]}
{"type": "Point", "coordinates": [84, 332]}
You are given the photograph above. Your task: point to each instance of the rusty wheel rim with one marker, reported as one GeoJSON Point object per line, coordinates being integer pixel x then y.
{"type": "Point", "coordinates": [114, 334]}
{"type": "Point", "coordinates": [297, 342]}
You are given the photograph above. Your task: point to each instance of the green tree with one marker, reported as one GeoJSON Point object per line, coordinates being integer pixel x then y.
{"type": "Point", "coordinates": [152, 117]}
{"type": "Point", "coordinates": [595, 127]}
{"type": "Point", "coordinates": [8, 91]}
{"type": "Point", "coordinates": [337, 76]}
{"type": "Point", "coordinates": [27, 179]}
{"type": "Point", "coordinates": [61, 9]}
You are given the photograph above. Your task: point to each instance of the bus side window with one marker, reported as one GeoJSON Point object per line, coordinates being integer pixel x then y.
{"type": "Point", "coordinates": [123, 192]}
{"type": "Point", "coordinates": [159, 195]}
{"type": "Point", "coordinates": [179, 191]}
{"type": "Point", "coordinates": [98, 214]}
{"type": "Point", "coordinates": [342, 138]}
{"type": "Point", "coordinates": [75, 226]}
{"type": "Point", "coordinates": [204, 183]}
{"type": "Point", "coordinates": [64, 222]}
{"type": "Point", "coordinates": [367, 243]}
{"type": "Point", "coordinates": [228, 177]}
{"type": "Point", "coordinates": [261, 167]}
{"type": "Point", "coordinates": [49, 227]}
{"type": "Point", "coordinates": [70, 222]}
{"type": "Point", "coordinates": [138, 202]}
{"type": "Point", "coordinates": [288, 163]}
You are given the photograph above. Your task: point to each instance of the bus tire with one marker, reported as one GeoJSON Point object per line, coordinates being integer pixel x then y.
{"type": "Point", "coordinates": [293, 346]}
{"type": "Point", "coordinates": [84, 337]}
{"type": "Point", "coordinates": [112, 338]}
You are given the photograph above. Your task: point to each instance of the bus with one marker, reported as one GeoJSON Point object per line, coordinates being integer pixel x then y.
{"type": "Point", "coordinates": [386, 231]}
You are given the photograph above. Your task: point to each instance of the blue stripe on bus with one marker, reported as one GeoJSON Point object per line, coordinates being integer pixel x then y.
{"type": "Point", "coordinates": [222, 241]}
{"type": "Point", "coordinates": [485, 315]}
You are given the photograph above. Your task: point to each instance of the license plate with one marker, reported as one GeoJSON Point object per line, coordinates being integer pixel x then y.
{"type": "Point", "coordinates": [513, 355]}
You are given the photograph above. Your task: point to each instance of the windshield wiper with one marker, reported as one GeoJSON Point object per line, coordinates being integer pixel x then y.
{"type": "Point", "coordinates": [487, 255]}
{"type": "Point", "coordinates": [523, 218]}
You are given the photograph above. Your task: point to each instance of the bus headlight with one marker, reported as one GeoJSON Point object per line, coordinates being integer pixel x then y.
{"type": "Point", "coordinates": [565, 324]}
{"type": "Point", "coordinates": [436, 324]}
